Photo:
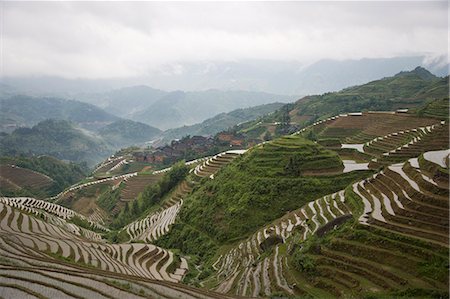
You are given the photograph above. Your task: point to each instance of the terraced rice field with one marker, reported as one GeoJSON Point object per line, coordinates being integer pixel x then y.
{"type": "Point", "coordinates": [107, 165]}
{"type": "Point", "coordinates": [432, 138]}
{"type": "Point", "coordinates": [28, 273]}
{"type": "Point", "coordinates": [142, 260]}
{"type": "Point", "coordinates": [247, 270]}
{"type": "Point", "coordinates": [363, 128]}
{"type": "Point", "coordinates": [114, 179]}
{"type": "Point", "coordinates": [15, 178]}
{"type": "Point", "coordinates": [36, 206]}
{"type": "Point", "coordinates": [158, 223]}
{"type": "Point", "coordinates": [212, 165]}
{"type": "Point", "coordinates": [137, 184]}
{"type": "Point", "coordinates": [402, 222]}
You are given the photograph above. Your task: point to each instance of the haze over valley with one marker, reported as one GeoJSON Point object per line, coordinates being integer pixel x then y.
{"type": "Point", "coordinates": [224, 149]}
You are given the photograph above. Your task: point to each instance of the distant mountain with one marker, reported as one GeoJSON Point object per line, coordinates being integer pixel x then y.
{"type": "Point", "coordinates": [221, 121]}
{"type": "Point", "coordinates": [407, 89]}
{"type": "Point", "coordinates": [127, 132]}
{"type": "Point", "coordinates": [187, 108]}
{"type": "Point", "coordinates": [291, 77]}
{"type": "Point", "coordinates": [404, 90]}
{"type": "Point", "coordinates": [39, 177]}
{"type": "Point", "coordinates": [18, 111]}
{"type": "Point", "coordinates": [278, 77]}
{"type": "Point", "coordinates": [126, 101]}
{"type": "Point", "coordinates": [57, 138]}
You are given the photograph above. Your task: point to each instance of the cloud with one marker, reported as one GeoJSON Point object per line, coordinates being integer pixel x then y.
{"type": "Point", "coordinates": [126, 39]}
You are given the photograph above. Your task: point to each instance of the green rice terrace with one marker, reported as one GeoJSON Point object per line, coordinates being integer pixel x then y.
{"type": "Point", "coordinates": [354, 205]}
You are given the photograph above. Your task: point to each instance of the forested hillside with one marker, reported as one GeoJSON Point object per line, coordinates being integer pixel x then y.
{"type": "Point", "coordinates": [56, 138]}
{"type": "Point", "coordinates": [41, 176]}
{"type": "Point", "coordinates": [24, 111]}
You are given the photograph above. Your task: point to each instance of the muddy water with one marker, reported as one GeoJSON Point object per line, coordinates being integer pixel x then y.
{"type": "Point", "coordinates": [437, 157]}
{"type": "Point", "coordinates": [358, 147]}
{"type": "Point", "coordinates": [350, 165]}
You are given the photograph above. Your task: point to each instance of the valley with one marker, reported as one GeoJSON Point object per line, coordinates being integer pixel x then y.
{"type": "Point", "coordinates": [308, 201]}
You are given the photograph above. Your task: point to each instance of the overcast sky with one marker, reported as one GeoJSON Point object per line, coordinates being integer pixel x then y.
{"type": "Point", "coordinates": [128, 39]}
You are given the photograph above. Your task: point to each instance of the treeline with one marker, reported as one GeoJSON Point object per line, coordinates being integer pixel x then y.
{"type": "Point", "coordinates": [64, 174]}
{"type": "Point", "coordinates": [151, 196]}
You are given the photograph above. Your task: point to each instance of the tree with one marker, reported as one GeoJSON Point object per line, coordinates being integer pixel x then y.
{"type": "Point", "coordinates": [267, 136]}
{"type": "Point", "coordinates": [135, 208]}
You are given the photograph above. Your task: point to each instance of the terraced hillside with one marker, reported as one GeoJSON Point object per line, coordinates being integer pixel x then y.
{"type": "Point", "coordinates": [59, 238]}
{"type": "Point", "coordinates": [354, 205]}
{"type": "Point", "coordinates": [46, 261]}
{"type": "Point", "coordinates": [392, 237]}
{"type": "Point", "coordinates": [212, 165]}
{"type": "Point", "coordinates": [39, 177]}
{"type": "Point", "coordinates": [14, 178]}
{"type": "Point", "coordinates": [157, 223]}
{"type": "Point", "coordinates": [258, 187]}
{"type": "Point", "coordinates": [363, 127]}
{"type": "Point", "coordinates": [137, 184]}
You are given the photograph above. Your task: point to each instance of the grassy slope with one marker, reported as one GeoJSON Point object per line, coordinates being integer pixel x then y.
{"type": "Point", "coordinates": [222, 121]}
{"type": "Point", "coordinates": [405, 90]}
{"type": "Point", "coordinates": [125, 132]}
{"type": "Point", "coordinates": [251, 191]}
{"type": "Point", "coordinates": [56, 138]}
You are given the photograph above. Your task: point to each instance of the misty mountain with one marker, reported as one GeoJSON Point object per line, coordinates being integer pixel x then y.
{"type": "Point", "coordinates": [57, 138]}
{"type": "Point", "coordinates": [221, 121]}
{"type": "Point", "coordinates": [180, 108]}
{"type": "Point", "coordinates": [407, 89]}
{"type": "Point", "coordinates": [126, 132]}
{"type": "Point", "coordinates": [124, 102]}
{"type": "Point", "coordinates": [25, 111]}
{"type": "Point", "coordinates": [279, 77]}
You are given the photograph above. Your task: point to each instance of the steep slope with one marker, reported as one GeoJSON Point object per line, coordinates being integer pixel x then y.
{"type": "Point", "coordinates": [404, 90]}
{"type": "Point", "coordinates": [18, 111]}
{"type": "Point", "coordinates": [20, 175]}
{"type": "Point", "coordinates": [221, 121]}
{"type": "Point", "coordinates": [56, 138]}
{"type": "Point", "coordinates": [260, 186]}
{"type": "Point", "coordinates": [125, 101]}
{"type": "Point", "coordinates": [412, 90]}
{"type": "Point", "coordinates": [384, 235]}
{"type": "Point", "coordinates": [43, 255]}
{"type": "Point", "coordinates": [180, 108]}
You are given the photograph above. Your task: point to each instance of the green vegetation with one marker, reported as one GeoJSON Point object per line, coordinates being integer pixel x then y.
{"type": "Point", "coordinates": [290, 156]}
{"type": "Point", "coordinates": [55, 138]}
{"type": "Point", "coordinates": [252, 191]}
{"type": "Point", "coordinates": [222, 121]}
{"type": "Point", "coordinates": [27, 111]}
{"type": "Point", "coordinates": [84, 224]}
{"type": "Point", "coordinates": [108, 199]}
{"type": "Point", "coordinates": [63, 174]}
{"type": "Point", "coordinates": [125, 132]}
{"type": "Point", "coordinates": [437, 108]}
{"type": "Point", "coordinates": [360, 246]}
{"type": "Point", "coordinates": [405, 90]}
{"type": "Point", "coordinates": [151, 196]}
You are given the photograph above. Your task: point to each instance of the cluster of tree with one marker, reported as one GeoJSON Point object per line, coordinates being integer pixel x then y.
{"type": "Point", "coordinates": [151, 196]}
{"type": "Point", "coordinates": [64, 174]}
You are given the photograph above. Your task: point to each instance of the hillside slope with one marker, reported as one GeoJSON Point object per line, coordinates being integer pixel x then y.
{"type": "Point", "coordinates": [56, 138]}
{"type": "Point", "coordinates": [40, 177]}
{"type": "Point", "coordinates": [406, 90]}
{"type": "Point", "coordinates": [180, 108]}
{"type": "Point", "coordinates": [24, 111]}
{"type": "Point", "coordinates": [221, 121]}
{"type": "Point", "coordinates": [262, 185]}
{"type": "Point", "coordinates": [127, 132]}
